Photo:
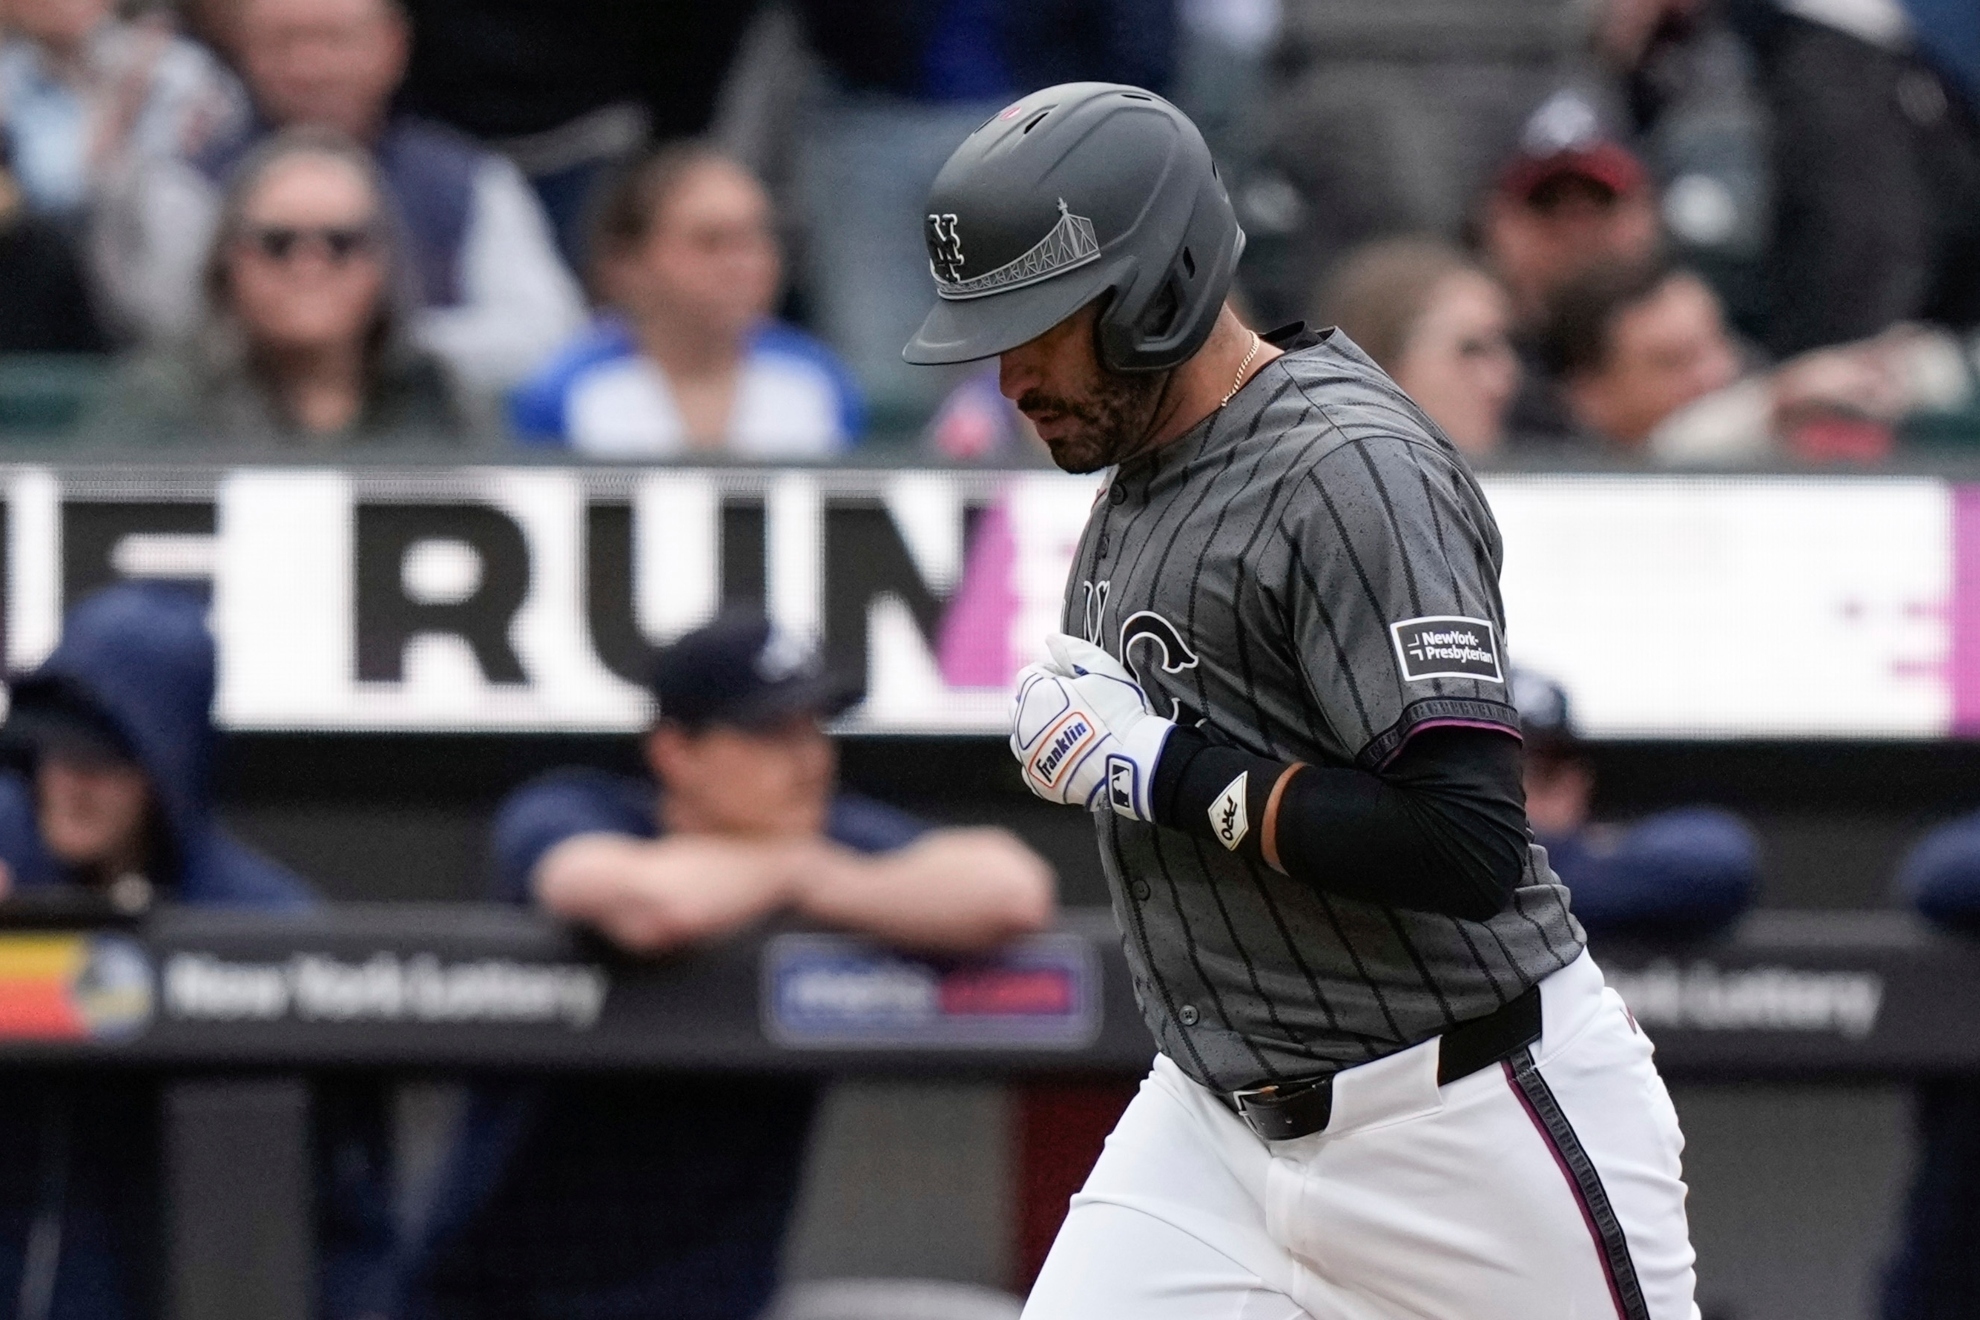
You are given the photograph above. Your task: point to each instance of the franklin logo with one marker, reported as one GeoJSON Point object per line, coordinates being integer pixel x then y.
{"type": "Point", "coordinates": [945, 254]}
{"type": "Point", "coordinates": [1447, 647]}
{"type": "Point", "coordinates": [1227, 813]}
{"type": "Point", "coordinates": [1071, 734]}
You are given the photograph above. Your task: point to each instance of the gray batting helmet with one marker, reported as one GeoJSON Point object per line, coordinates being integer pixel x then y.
{"type": "Point", "coordinates": [1074, 192]}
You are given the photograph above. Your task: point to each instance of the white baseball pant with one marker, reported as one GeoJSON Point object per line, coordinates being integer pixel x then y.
{"type": "Point", "coordinates": [1549, 1193]}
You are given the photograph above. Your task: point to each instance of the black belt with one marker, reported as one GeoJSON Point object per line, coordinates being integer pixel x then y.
{"type": "Point", "coordinates": [1285, 1110]}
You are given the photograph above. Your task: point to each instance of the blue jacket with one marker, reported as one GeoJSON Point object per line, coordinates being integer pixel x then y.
{"type": "Point", "coordinates": [1680, 871]}
{"type": "Point", "coordinates": [637, 1198]}
{"type": "Point", "coordinates": [991, 49]}
{"type": "Point", "coordinates": [142, 656]}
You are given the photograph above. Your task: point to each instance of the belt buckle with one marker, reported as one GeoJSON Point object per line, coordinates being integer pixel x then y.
{"type": "Point", "coordinates": [1283, 1111]}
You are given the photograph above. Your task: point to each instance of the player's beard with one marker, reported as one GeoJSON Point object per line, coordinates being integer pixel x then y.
{"type": "Point", "coordinates": [1110, 424]}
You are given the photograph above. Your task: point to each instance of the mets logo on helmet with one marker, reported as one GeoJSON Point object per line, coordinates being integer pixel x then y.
{"type": "Point", "coordinates": [945, 254]}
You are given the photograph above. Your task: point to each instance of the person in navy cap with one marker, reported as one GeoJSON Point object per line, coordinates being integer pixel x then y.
{"type": "Point", "coordinates": [1682, 871]}
{"type": "Point", "coordinates": [669, 1196]}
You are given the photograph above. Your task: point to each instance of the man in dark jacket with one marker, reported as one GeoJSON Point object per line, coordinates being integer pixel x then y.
{"type": "Point", "coordinates": [44, 303]}
{"type": "Point", "coordinates": [647, 1197]}
{"type": "Point", "coordinates": [113, 748]}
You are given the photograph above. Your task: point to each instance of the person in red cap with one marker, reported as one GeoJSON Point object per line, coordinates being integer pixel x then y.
{"type": "Point", "coordinates": [1573, 197]}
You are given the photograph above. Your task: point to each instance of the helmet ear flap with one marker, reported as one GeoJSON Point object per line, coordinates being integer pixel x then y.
{"type": "Point", "coordinates": [1125, 341]}
{"type": "Point", "coordinates": [1159, 323]}
{"type": "Point", "coordinates": [1161, 327]}
{"type": "Point", "coordinates": [1163, 310]}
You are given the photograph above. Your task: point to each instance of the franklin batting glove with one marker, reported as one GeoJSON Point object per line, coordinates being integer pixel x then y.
{"type": "Point", "coordinates": [1082, 731]}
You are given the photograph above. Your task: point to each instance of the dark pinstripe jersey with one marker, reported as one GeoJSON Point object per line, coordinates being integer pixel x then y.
{"type": "Point", "coordinates": [1313, 573]}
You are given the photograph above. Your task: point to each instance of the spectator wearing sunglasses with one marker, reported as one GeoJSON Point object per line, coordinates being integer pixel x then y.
{"type": "Point", "coordinates": [303, 339]}
{"type": "Point", "coordinates": [492, 297]}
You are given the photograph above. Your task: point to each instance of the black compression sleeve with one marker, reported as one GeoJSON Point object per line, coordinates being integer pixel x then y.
{"type": "Point", "coordinates": [1441, 828]}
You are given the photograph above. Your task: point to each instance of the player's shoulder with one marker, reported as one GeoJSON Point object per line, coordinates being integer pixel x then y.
{"type": "Point", "coordinates": [1345, 392]}
{"type": "Point", "coordinates": [557, 806]}
{"type": "Point", "coordinates": [1347, 417]}
{"type": "Point", "coordinates": [1366, 458]}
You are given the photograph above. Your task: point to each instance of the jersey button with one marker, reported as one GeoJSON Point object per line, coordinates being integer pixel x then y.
{"type": "Point", "coordinates": [1116, 494]}
{"type": "Point", "coordinates": [1188, 1014]}
{"type": "Point", "coordinates": [1104, 543]}
{"type": "Point", "coordinates": [1141, 890]}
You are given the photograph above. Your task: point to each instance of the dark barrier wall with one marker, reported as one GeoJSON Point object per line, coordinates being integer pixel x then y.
{"type": "Point", "coordinates": [402, 816]}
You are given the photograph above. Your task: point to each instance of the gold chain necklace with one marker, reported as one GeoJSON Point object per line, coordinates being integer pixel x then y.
{"type": "Point", "coordinates": [1243, 366]}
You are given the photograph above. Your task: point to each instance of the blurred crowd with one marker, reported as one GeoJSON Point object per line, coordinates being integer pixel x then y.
{"type": "Point", "coordinates": [1664, 232]}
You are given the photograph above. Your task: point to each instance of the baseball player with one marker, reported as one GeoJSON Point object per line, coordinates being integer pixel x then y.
{"type": "Point", "coordinates": [1391, 1082]}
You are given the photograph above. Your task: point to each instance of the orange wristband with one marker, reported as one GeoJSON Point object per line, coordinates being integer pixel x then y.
{"type": "Point", "coordinates": [1268, 842]}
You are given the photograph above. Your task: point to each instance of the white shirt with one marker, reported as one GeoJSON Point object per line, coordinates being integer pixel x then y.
{"type": "Point", "coordinates": [604, 398]}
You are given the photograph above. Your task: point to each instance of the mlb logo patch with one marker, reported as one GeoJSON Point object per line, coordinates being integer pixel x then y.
{"type": "Point", "coordinates": [1447, 646]}
{"type": "Point", "coordinates": [1120, 786]}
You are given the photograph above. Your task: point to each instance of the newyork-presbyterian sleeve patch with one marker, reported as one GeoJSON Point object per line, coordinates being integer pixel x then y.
{"type": "Point", "coordinates": [1447, 646]}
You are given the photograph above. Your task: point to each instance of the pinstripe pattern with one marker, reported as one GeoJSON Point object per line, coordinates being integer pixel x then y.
{"type": "Point", "coordinates": [1281, 539]}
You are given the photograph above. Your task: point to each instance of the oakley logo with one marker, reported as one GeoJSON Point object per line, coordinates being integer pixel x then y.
{"type": "Point", "coordinates": [1227, 814]}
